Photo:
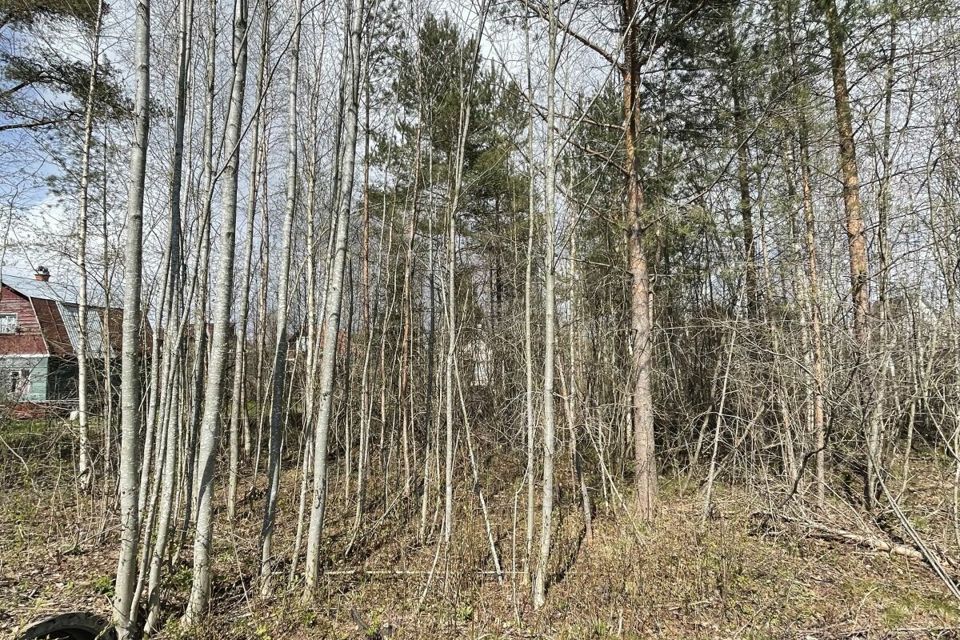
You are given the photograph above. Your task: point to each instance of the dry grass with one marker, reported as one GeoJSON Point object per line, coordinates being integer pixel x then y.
{"type": "Point", "coordinates": [675, 580]}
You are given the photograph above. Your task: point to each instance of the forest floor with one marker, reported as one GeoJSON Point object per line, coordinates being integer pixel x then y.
{"type": "Point", "coordinates": [731, 577]}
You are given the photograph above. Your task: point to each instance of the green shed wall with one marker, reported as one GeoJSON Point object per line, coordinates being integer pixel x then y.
{"type": "Point", "coordinates": [38, 368]}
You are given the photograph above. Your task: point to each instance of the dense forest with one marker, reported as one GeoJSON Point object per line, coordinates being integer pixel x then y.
{"type": "Point", "coordinates": [455, 298]}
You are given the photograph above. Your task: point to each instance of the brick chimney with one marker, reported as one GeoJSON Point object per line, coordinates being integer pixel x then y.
{"type": "Point", "coordinates": [42, 274]}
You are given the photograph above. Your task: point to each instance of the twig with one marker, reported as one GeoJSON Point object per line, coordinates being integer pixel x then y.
{"type": "Point", "coordinates": [826, 532]}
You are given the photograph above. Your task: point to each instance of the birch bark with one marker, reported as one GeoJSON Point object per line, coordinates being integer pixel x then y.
{"type": "Point", "coordinates": [213, 391]}
{"type": "Point", "coordinates": [124, 600]}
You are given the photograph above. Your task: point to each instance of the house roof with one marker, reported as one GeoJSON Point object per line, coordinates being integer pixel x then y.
{"type": "Point", "coordinates": [58, 312]}
{"type": "Point", "coordinates": [33, 288]}
{"type": "Point", "coordinates": [95, 316]}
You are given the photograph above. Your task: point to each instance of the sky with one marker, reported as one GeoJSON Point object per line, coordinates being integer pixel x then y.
{"type": "Point", "coordinates": [34, 219]}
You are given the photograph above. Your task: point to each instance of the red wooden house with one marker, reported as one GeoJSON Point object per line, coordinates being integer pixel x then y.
{"type": "Point", "coordinates": [40, 337]}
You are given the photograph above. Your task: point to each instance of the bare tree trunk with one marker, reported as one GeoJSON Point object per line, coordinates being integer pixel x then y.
{"type": "Point", "coordinates": [743, 168]}
{"type": "Point", "coordinates": [213, 392]}
{"type": "Point", "coordinates": [549, 320]}
{"type": "Point", "coordinates": [406, 392]}
{"type": "Point", "coordinates": [884, 361]}
{"type": "Point", "coordinates": [262, 380]}
{"type": "Point", "coordinates": [856, 235]}
{"type": "Point", "coordinates": [85, 471]}
{"type": "Point", "coordinates": [454, 205]}
{"type": "Point", "coordinates": [451, 314]}
{"type": "Point", "coordinates": [108, 431]}
{"type": "Point", "coordinates": [575, 414]}
{"type": "Point", "coordinates": [201, 280]}
{"type": "Point", "coordinates": [430, 428]}
{"type": "Point", "coordinates": [148, 481]}
{"type": "Point", "coordinates": [816, 320]}
{"type": "Point", "coordinates": [173, 347]}
{"type": "Point", "coordinates": [239, 361]}
{"type": "Point", "coordinates": [817, 375]}
{"type": "Point", "coordinates": [528, 329]}
{"type": "Point", "coordinates": [886, 160]}
{"type": "Point", "coordinates": [124, 600]}
{"type": "Point", "coordinates": [366, 404]}
{"type": "Point", "coordinates": [641, 329]}
{"type": "Point", "coordinates": [331, 326]}
{"type": "Point", "coordinates": [312, 325]}
{"type": "Point", "coordinates": [280, 346]}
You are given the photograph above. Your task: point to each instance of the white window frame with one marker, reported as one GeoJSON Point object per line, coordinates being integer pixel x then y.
{"type": "Point", "coordinates": [8, 323]}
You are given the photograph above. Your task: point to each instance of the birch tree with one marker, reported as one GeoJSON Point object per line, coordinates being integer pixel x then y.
{"type": "Point", "coordinates": [350, 91]}
{"type": "Point", "coordinates": [173, 347]}
{"type": "Point", "coordinates": [124, 600]}
{"type": "Point", "coordinates": [85, 471]}
{"type": "Point", "coordinates": [280, 346]}
{"type": "Point", "coordinates": [213, 390]}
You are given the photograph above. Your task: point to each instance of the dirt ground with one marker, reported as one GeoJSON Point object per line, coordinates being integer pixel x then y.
{"type": "Point", "coordinates": [731, 577]}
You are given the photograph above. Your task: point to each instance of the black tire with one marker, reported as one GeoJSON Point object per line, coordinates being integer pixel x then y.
{"type": "Point", "coordinates": [71, 626]}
